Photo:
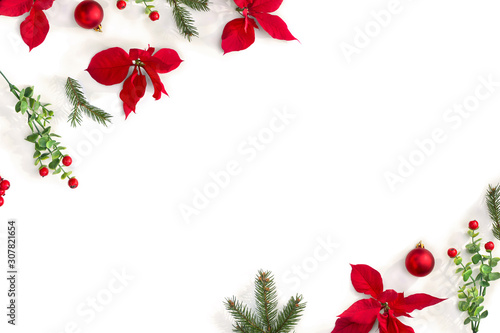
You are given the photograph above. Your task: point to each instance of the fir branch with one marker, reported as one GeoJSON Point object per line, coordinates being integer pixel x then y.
{"type": "Point", "coordinates": [199, 5]}
{"type": "Point", "coordinates": [493, 202]}
{"type": "Point", "coordinates": [246, 321]}
{"type": "Point", "coordinates": [290, 315]}
{"type": "Point", "coordinates": [82, 106]}
{"type": "Point", "coordinates": [266, 299]}
{"type": "Point", "coordinates": [267, 320]}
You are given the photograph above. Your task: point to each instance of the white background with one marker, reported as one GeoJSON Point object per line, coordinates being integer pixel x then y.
{"type": "Point", "coordinates": [320, 180]}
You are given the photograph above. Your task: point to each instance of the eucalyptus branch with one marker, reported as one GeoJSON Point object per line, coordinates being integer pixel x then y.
{"type": "Point", "coordinates": [46, 144]}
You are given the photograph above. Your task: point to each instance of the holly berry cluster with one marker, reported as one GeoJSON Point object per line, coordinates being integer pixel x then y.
{"type": "Point", "coordinates": [150, 11]}
{"type": "Point", "coordinates": [4, 186]}
{"type": "Point", "coordinates": [472, 293]}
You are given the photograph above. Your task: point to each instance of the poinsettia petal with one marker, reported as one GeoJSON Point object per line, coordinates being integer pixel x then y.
{"type": "Point", "coordinates": [128, 94]}
{"type": "Point", "coordinates": [140, 84]}
{"type": "Point", "coordinates": [383, 322]}
{"type": "Point", "coordinates": [346, 326]}
{"type": "Point", "coordinates": [165, 60]}
{"type": "Point", "coordinates": [34, 28]}
{"type": "Point", "coordinates": [238, 35]}
{"type": "Point", "coordinates": [402, 328]}
{"type": "Point", "coordinates": [273, 25]}
{"type": "Point", "coordinates": [414, 302]}
{"type": "Point", "coordinates": [143, 55]}
{"type": "Point", "coordinates": [243, 3]}
{"type": "Point", "coordinates": [366, 280]}
{"type": "Point", "coordinates": [110, 66]}
{"type": "Point", "coordinates": [364, 311]}
{"type": "Point", "coordinates": [387, 296]}
{"type": "Point", "coordinates": [266, 6]}
{"type": "Point", "coordinates": [43, 4]}
{"type": "Point", "coordinates": [157, 84]}
{"type": "Point", "coordinates": [14, 8]}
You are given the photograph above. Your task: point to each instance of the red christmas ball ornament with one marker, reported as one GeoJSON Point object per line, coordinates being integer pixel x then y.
{"type": "Point", "coordinates": [1, 201]}
{"type": "Point", "coordinates": [89, 14]}
{"type": "Point", "coordinates": [452, 253]}
{"type": "Point", "coordinates": [2, 192]}
{"type": "Point", "coordinates": [489, 246]}
{"type": "Point", "coordinates": [473, 225]}
{"type": "Point", "coordinates": [419, 261]}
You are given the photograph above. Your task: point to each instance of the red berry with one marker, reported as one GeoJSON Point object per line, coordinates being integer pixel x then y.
{"type": "Point", "coordinates": [67, 160]}
{"type": "Point", "coordinates": [489, 246]}
{"type": "Point", "coordinates": [473, 225]}
{"type": "Point", "coordinates": [73, 183]}
{"type": "Point", "coordinates": [153, 16]}
{"type": "Point", "coordinates": [43, 171]}
{"type": "Point", "coordinates": [452, 253]}
{"type": "Point", "coordinates": [1, 201]}
{"type": "Point", "coordinates": [2, 192]}
{"type": "Point", "coordinates": [4, 185]}
{"type": "Point", "coordinates": [121, 4]}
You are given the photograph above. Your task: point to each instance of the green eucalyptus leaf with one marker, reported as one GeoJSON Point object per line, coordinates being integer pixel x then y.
{"type": "Point", "coordinates": [476, 258]}
{"type": "Point", "coordinates": [50, 143]}
{"type": "Point", "coordinates": [466, 321]}
{"type": "Point", "coordinates": [44, 156]}
{"type": "Point", "coordinates": [463, 306]}
{"type": "Point", "coordinates": [484, 314]}
{"type": "Point", "coordinates": [54, 164]}
{"type": "Point", "coordinates": [43, 142]}
{"type": "Point", "coordinates": [57, 171]}
{"type": "Point", "coordinates": [494, 276]}
{"type": "Point", "coordinates": [458, 260]}
{"type": "Point", "coordinates": [28, 92]}
{"type": "Point", "coordinates": [32, 137]}
{"type": "Point", "coordinates": [484, 284]}
{"type": "Point", "coordinates": [36, 154]}
{"type": "Point", "coordinates": [459, 270]}
{"type": "Point", "coordinates": [485, 269]}
{"type": "Point", "coordinates": [18, 106]}
{"type": "Point", "coordinates": [466, 274]}
{"type": "Point", "coordinates": [470, 232]}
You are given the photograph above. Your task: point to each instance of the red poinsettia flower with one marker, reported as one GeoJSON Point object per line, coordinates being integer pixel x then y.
{"type": "Point", "coordinates": [239, 33]}
{"type": "Point", "coordinates": [35, 27]}
{"type": "Point", "coordinates": [383, 306]}
{"type": "Point", "coordinates": [112, 66]}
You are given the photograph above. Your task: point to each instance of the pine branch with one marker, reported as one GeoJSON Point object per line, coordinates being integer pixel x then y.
{"type": "Point", "coordinates": [267, 320]}
{"type": "Point", "coordinates": [266, 299]}
{"type": "Point", "coordinates": [82, 106]}
{"type": "Point", "coordinates": [199, 5]}
{"type": "Point", "coordinates": [290, 315]}
{"type": "Point", "coordinates": [183, 20]}
{"type": "Point", "coordinates": [493, 202]}
{"type": "Point", "coordinates": [246, 321]}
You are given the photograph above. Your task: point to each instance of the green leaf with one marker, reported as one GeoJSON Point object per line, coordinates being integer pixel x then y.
{"type": "Point", "coordinates": [466, 275]}
{"type": "Point", "coordinates": [466, 321]}
{"type": "Point", "coordinates": [24, 106]}
{"type": "Point", "coordinates": [458, 260]}
{"type": "Point", "coordinates": [36, 154]}
{"type": "Point", "coordinates": [43, 142]}
{"type": "Point", "coordinates": [32, 137]}
{"type": "Point", "coordinates": [44, 156]}
{"type": "Point", "coordinates": [28, 92]}
{"type": "Point", "coordinates": [494, 276]}
{"type": "Point", "coordinates": [470, 232]}
{"type": "Point", "coordinates": [461, 295]}
{"type": "Point", "coordinates": [50, 143]}
{"type": "Point", "coordinates": [484, 314]}
{"type": "Point", "coordinates": [56, 154]}
{"type": "Point", "coordinates": [484, 284]}
{"type": "Point", "coordinates": [463, 306]}
{"type": "Point", "coordinates": [54, 164]}
{"type": "Point", "coordinates": [476, 258]}
{"type": "Point", "coordinates": [57, 171]}
{"type": "Point", "coordinates": [478, 309]}
{"type": "Point", "coordinates": [459, 270]}
{"type": "Point", "coordinates": [18, 106]}
{"type": "Point", "coordinates": [479, 300]}
{"type": "Point", "coordinates": [485, 269]}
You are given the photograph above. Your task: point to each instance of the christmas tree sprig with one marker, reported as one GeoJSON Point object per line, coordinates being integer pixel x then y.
{"type": "Point", "coordinates": [183, 18]}
{"type": "Point", "coordinates": [267, 318]}
{"type": "Point", "coordinates": [45, 141]}
{"type": "Point", "coordinates": [493, 202]}
{"type": "Point", "coordinates": [82, 106]}
{"type": "Point", "coordinates": [471, 294]}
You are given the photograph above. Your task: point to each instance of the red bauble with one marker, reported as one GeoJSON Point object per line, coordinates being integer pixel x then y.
{"type": "Point", "coordinates": [1, 201]}
{"type": "Point", "coordinates": [121, 4]}
{"type": "Point", "coordinates": [89, 14]}
{"type": "Point", "coordinates": [419, 262]}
